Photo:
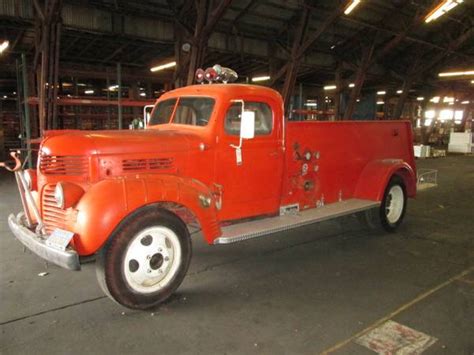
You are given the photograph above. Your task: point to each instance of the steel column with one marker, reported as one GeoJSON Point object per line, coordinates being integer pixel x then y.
{"type": "Point", "coordinates": [360, 78]}
{"type": "Point", "coordinates": [119, 95]}
{"type": "Point", "coordinates": [26, 109]}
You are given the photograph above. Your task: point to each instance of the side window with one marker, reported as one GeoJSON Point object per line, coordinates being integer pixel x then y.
{"type": "Point", "coordinates": [263, 118]}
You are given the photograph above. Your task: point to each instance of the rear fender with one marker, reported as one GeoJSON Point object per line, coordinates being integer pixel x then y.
{"type": "Point", "coordinates": [376, 175]}
{"type": "Point", "coordinates": [109, 202]}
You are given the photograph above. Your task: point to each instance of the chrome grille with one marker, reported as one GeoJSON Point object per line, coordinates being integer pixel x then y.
{"type": "Point", "coordinates": [147, 164]}
{"type": "Point", "coordinates": [72, 165]}
{"type": "Point", "coordinates": [53, 216]}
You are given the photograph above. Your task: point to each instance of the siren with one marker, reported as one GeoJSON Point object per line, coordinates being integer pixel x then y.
{"type": "Point", "coordinates": [225, 74]}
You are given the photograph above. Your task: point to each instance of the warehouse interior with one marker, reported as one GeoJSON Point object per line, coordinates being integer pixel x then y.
{"type": "Point", "coordinates": [332, 287]}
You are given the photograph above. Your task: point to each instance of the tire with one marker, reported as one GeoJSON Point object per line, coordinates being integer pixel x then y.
{"type": "Point", "coordinates": [145, 260]}
{"type": "Point", "coordinates": [392, 209]}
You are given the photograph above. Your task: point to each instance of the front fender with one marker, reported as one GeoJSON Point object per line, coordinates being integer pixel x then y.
{"type": "Point", "coordinates": [376, 175]}
{"type": "Point", "coordinates": [110, 201]}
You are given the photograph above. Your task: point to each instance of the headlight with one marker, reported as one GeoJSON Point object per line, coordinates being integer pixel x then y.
{"type": "Point", "coordinates": [59, 195]}
{"type": "Point", "coordinates": [30, 179]}
{"type": "Point", "coordinates": [67, 194]}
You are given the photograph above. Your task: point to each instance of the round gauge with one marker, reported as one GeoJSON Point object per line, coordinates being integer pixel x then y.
{"type": "Point", "coordinates": [307, 155]}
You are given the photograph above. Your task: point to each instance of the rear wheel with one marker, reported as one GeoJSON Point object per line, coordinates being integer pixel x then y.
{"type": "Point", "coordinates": [392, 208]}
{"type": "Point", "coordinates": [146, 259]}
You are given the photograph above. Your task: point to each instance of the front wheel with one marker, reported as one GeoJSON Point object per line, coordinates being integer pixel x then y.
{"type": "Point", "coordinates": [392, 209]}
{"type": "Point", "coordinates": [145, 260]}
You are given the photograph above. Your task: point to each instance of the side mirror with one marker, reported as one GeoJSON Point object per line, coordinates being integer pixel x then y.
{"type": "Point", "coordinates": [247, 125]}
{"type": "Point", "coordinates": [147, 113]}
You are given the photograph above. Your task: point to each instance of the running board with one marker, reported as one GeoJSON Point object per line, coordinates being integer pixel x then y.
{"type": "Point", "coordinates": [258, 228]}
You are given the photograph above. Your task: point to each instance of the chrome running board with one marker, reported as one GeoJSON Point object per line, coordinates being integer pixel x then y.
{"type": "Point", "coordinates": [258, 228]}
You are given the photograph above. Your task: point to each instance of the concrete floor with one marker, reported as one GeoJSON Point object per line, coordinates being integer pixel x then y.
{"type": "Point", "coordinates": [300, 292]}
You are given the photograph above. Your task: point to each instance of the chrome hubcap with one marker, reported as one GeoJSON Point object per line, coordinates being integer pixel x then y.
{"type": "Point", "coordinates": [394, 205]}
{"type": "Point", "coordinates": [152, 259]}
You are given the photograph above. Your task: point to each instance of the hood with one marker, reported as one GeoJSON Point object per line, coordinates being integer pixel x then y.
{"type": "Point", "coordinates": [117, 142]}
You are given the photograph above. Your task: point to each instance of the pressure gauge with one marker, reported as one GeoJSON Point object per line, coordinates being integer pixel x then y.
{"type": "Point", "coordinates": [307, 155]}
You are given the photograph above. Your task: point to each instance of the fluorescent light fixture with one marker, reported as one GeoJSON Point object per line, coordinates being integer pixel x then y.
{"type": "Point", "coordinates": [441, 9]}
{"type": "Point", "coordinates": [311, 104]}
{"type": "Point", "coordinates": [456, 73]}
{"type": "Point", "coordinates": [163, 66]}
{"type": "Point", "coordinates": [430, 114]}
{"type": "Point", "coordinates": [143, 94]}
{"type": "Point", "coordinates": [256, 79]}
{"type": "Point", "coordinates": [399, 91]}
{"type": "Point", "coordinates": [330, 87]}
{"type": "Point", "coordinates": [351, 85]}
{"type": "Point", "coordinates": [381, 92]}
{"type": "Point", "coordinates": [448, 99]}
{"type": "Point", "coordinates": [465, 103]}
{"type": "Point", "coordinates": [420, 98]}
{"type": "Point", "coordinates": [113, 87]}
{"type": "Point", "coordinates": [88, 92]}
{"type": "Point", "coordinates": [4, 46]}
{"type": "Point", "coordinates": [380, 102]}
{"type": "Point", "coordinates": [428, 122]}
{"type": "Point", "coordinates": [78, 84]}
{"type": "Point", "coordinates": [435, 99]}
{"type": "Point", "coordinates": [458, 115]}
{"type": "Point", "coordinates": [351, 7]}
{"type": "Point", "coordinates": [451, 103]}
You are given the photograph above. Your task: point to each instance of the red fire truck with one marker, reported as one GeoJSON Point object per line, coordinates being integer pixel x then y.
{"type": "Point", "coordinates": [217, 158]}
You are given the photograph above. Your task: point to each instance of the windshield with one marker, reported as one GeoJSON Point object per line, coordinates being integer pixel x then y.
{"type": "Point", "coordinates": [194, 111]}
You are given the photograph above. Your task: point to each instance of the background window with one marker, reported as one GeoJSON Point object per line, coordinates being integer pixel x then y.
{"type": "Point", "coordinates": [263, 118]}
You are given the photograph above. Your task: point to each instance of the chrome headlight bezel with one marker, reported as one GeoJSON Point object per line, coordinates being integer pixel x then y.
{"type": "Point", "coordinates": [59, 196]}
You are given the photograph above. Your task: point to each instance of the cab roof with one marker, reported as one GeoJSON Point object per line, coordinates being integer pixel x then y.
{"type": "Point", "coordinates": [223, 91]}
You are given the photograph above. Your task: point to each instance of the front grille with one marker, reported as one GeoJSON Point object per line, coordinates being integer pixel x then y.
{"type": "Point", "coordinates": [53, 216]}
{"type": "Point", "coordinates": [66, 165]}
{"type": "Point", "coordinates": [147, 164]}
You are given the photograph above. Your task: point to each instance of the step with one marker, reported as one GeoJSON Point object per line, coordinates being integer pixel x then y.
{"type": "Point", "coordinates": [258, 228]}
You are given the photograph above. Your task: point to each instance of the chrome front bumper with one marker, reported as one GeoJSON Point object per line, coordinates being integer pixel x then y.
{"type": "Point", "coordinates": [67, 259]}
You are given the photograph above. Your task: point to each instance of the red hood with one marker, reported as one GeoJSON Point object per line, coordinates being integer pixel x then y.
{"type": "Point", "coordinates": [117, 142]}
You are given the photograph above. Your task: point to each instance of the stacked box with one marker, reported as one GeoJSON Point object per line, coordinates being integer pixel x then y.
{"type": "Point", "coordinates": [461, 142]}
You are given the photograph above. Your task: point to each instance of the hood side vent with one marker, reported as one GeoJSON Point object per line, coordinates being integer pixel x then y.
{"type": "Point", "coordinates": [73, 165]}
{"type": "Point", "coordinates": [129, 165]}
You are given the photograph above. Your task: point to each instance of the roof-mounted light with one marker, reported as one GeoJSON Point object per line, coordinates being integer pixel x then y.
{"type": "Point", "coordinates": [216, 73]}
{"type": "Point", "coordinates": [199, 76]}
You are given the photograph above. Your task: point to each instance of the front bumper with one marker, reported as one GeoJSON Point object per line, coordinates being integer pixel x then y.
{"type": "Point", "coordinates": [68, 259]}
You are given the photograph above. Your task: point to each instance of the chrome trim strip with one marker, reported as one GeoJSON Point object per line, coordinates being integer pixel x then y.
{"type": "Point", "coordinates": [68, 259]}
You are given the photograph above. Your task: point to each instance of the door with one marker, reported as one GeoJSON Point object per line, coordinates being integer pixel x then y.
{"type": "Point", "coordinates": [251, 186]}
